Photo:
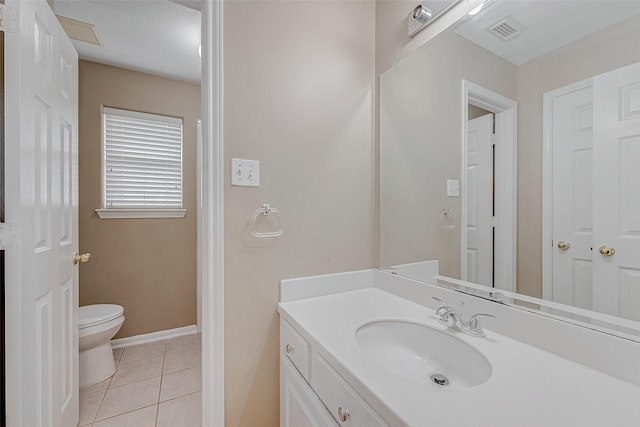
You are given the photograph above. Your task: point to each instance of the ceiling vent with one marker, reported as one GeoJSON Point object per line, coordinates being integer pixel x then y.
{"type": "Point", "coordinates": [79, 30]}
{"type": "Point", "coordinates": [506, 29]}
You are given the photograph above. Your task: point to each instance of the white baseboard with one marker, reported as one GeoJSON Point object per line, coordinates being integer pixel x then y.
{"type": "Point", "coordinates": [154, 336]}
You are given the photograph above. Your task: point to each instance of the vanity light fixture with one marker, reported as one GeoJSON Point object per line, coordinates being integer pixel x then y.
{"type": "Point", "coordinates": [427, 12]}
{"type": "Point", "coordinates": [422, 14]}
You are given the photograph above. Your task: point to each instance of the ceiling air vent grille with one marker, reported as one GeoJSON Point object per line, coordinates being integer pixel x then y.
{"type": "Point", "coordinates": [79, 30]}
{"type": "Point", "coordinates": [506, 29]}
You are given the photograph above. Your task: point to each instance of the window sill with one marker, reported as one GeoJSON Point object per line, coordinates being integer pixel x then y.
{"type": "Point", "coordinates": [140, 213]}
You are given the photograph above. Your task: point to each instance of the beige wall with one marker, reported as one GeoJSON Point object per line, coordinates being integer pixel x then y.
{"type": "Point", "coordinates": [391, 45]}
{"type": "Point", "coordinates": [392, 41]}
{"type": "Point", "coordinates": [601, 52]}
{"type": "Point", "coordinates": [146, 265]}
{"type": "Point", "coordinates": [298, 89]}
{"type": "Point", "coordinates": [420, 146]}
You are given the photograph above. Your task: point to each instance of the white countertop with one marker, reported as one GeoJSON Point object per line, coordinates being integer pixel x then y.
{"type": "Point", "coordinates": [528, 386]}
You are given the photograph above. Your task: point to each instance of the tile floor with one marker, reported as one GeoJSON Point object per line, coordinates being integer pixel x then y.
{"type": "Point", "coordinates": [155, 385]}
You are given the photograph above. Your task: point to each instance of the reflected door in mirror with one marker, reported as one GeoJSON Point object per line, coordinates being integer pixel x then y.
{"type": "Point", "coordinates": [595, 138]}
{"type": "Point", "coordinates": [617, 188]}
{"type": "Point", "coordinates": [480, 200]}
{"type": "Point", "coordinates": [572, 148]}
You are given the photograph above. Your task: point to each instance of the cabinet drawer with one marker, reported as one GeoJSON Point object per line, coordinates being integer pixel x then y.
{"type": "Point", "coordinates": [340, 399]}
{"type": "Point", "coordinates": [295, 348]}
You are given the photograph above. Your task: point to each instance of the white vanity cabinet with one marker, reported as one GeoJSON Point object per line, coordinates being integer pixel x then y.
{"type": "Point", "coordinates": [342, 401]}
{"type": "Point", "coordinates": [295, 348]}
{"type": "Point", "coordinates": [338, 374]}
{"type": "Point", "coordinates": [299, 406]}
{"type": "Point", "coordinates": [330, 403]}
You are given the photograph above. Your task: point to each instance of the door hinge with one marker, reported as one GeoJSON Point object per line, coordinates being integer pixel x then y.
{"type": "Point", "coordinates": [494, 221]}
{"type": "Point", "coordinates": [494, 139]}
{"type": "Point", "coordinates": [8, 19]}
{"type": "Point", "coordinates": [8, 236]}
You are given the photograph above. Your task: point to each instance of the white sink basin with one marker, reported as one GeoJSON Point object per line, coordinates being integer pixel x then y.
{"type": "Point", "coordinates": [418, 352]}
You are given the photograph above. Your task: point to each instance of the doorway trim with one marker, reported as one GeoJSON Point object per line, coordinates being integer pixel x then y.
{"type": "Point", "coordinates": [547, 181]}
{"type": "Point", "coordinates": [505, 111]}
{"type": "Point", "coordinates": [211, 216]}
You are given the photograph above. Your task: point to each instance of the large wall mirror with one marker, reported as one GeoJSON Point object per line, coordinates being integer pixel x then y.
{"type": "Point", "coordinates": [510, 153]}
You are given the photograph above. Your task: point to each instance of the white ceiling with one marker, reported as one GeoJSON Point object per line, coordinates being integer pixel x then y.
{"type": "Point", "coordinates": [549, 24]}
{"type": "Point", "coordinates": [153, 36]}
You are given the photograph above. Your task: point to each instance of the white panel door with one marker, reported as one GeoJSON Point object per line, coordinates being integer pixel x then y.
{"type": "Point", "coordinates": [572, 150]}
{"type": "Point", "coordinates": [617, 192]}
{"type": "Point", "coordinates": [479, 195]}
{"type": "Point", "coordinates": [41, 201]}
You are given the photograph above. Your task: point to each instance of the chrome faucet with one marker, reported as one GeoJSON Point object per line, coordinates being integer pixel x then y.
{"type": "Point", "coordinates": [450, 317]}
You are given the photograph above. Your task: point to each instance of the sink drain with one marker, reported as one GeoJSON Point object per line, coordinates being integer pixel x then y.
{"type": "Point", "coordinates": [439, 379]}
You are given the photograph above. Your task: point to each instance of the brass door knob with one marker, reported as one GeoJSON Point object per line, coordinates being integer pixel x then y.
{"type": "Point", "coordinates": [563, 246]}
{"type": "Point", "coordinates": [288, 348]}
{"type": "Point", "coordinates": [606, 250]}
{"type": "Point", "coordinates": [81, 258]}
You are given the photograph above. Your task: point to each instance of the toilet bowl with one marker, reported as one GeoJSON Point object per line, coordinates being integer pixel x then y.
{"type": "Point", "coordinates": [98, 324]}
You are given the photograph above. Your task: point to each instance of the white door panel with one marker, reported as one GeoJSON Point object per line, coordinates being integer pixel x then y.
{"type": "Point", "coordinates": [616, 183]}
{"type": "Point", "coordinates": [479, 194]}
{"type": "Point", "coordinates": [41, 200]}
{"type": "Point", "coordinates": [572, 148]}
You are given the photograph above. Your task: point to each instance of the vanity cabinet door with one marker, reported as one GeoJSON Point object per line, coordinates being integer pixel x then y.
{"type": "Point", "coordinates": [299, 406]}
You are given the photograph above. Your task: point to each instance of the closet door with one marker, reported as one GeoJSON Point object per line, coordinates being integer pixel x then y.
{"type": "Point", "coordinates": [572, 222]}
{"type": "Point", "coordinates": [616, 185]}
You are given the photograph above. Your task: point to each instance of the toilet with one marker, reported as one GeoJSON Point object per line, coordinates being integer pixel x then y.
{"type": "Point", "coordinates": [98, 324]}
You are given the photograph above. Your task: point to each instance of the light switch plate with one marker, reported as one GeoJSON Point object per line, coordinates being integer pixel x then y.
{"type": "Point", "coordinates": [245, 173]}
{"type": "Point", "coordinates": [453, 188]}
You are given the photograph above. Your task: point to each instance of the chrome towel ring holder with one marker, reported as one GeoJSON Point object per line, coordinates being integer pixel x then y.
{"type": "Point", "coordinates": [266, 210]}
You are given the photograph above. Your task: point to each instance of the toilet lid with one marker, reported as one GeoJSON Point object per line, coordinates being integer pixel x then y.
{"type": "Point", "coordinates": [90, 315]}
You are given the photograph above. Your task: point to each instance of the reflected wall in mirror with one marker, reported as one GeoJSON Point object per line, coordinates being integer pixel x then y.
{"type": "Point", "coordinates": [574, 72]}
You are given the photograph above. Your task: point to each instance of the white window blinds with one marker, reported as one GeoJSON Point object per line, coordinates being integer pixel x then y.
{"type": "Point", "coordinates": [142, 160]}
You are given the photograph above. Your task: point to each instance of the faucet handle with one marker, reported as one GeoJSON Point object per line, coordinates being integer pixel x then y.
{"type": "Point", "coordinates": [443, 311]}
{"type": "Point", "coordinates": [442, 303]}
{"type": "Point", "coordinates": [474, 322]}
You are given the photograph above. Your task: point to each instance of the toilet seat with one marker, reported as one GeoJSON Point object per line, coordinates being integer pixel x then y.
{"type": "Point", "coordinates": [91, 315]}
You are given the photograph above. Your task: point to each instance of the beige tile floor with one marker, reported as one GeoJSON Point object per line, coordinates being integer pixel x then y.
{"type": "Point", "coordinates": [155, 385]}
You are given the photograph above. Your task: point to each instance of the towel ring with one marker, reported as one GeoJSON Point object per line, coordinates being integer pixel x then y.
{"type": "Point", "coordinates": [266, 210]}
{"type": "Point", "coordinates": [446, 219]}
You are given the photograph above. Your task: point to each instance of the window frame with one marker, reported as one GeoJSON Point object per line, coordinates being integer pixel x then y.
{"type": "Point", "coordinates": [134, 213]}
